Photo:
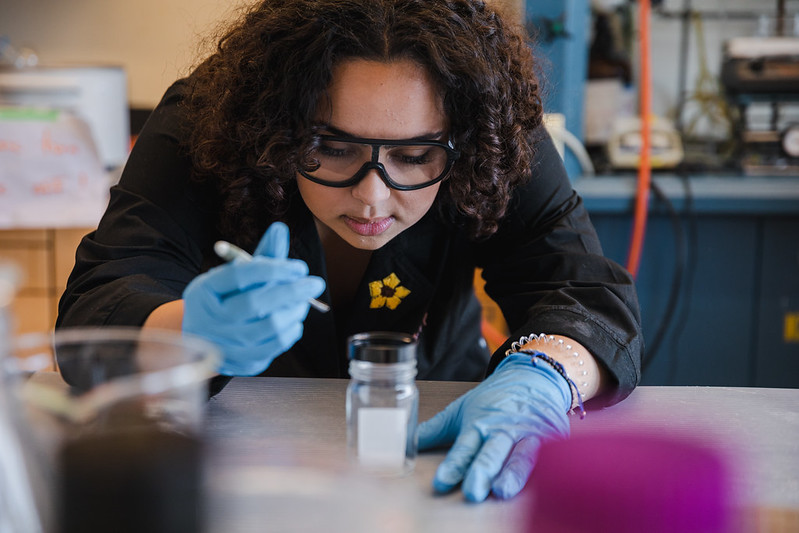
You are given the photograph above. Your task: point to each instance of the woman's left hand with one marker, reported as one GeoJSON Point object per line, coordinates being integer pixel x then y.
{"type": "Point", "coordinates": [498, 427]}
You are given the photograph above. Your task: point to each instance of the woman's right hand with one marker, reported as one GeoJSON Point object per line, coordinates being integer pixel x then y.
{"type": "Point", "coordinates": [253, 310]}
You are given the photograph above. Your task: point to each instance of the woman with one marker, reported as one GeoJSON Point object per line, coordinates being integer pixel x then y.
{"type": "Point", "coordinates": [372, 153]}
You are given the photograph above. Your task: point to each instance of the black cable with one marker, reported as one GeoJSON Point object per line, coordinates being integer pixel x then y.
{"type": "Point", "coordinates": [683, 66]}
{"type": "Point", "coordinates": [676, 280]}
{"type": "Point", "coordinates": [757, 295]}
{"type": "Point", "coordinates": [693, 255]}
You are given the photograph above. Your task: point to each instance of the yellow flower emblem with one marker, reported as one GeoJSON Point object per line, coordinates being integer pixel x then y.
{"type": "Point", "coordinates": [387, 292]}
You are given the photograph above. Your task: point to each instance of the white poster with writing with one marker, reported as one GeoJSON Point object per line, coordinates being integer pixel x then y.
{"type": "Point", "coordinates": [50, 172]}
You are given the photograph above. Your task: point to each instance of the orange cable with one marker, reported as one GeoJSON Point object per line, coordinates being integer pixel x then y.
{"type": "Point", "coordinates": [644, 164]}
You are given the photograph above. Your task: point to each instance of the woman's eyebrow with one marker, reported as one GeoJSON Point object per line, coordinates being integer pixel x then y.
{"type": "Point", "coordinates": [432, 136]}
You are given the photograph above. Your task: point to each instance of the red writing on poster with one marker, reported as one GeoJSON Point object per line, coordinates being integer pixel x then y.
{"type": "Point", "coordinates": [49, 146]}
{"type": "Point", "coordinates": [54, 185]}
{"type": "Point", "coordinates": [10, 146]}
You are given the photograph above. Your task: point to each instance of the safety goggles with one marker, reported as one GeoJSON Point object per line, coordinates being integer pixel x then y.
{"type": "Point", "coordinates": [405, 165]}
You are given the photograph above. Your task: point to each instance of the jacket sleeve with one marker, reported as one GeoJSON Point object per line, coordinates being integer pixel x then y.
{"type": "Point", "coordinates": [152, 238]}
{"type": "Point", "coordinates": [546, 271]}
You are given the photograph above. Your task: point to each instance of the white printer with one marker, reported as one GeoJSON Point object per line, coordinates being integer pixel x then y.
{"type": "Point", "coordinates": [96, 94]}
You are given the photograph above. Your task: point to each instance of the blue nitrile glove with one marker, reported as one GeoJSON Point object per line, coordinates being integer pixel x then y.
{"type": "Point", "coordinates": [253, 310]}
{"type": "Point", "coordinates": [497, 428]}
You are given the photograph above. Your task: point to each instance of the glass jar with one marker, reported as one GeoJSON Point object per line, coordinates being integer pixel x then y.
{"type": "Point", "coordinates": [382, 402]}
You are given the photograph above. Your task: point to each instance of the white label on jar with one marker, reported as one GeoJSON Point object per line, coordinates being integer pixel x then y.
{"type": "Point", "coordinates": [382, 434]}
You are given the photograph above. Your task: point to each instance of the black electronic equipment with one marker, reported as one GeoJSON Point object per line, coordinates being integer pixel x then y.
{"type": "Point", "coordinates": [761, 77]}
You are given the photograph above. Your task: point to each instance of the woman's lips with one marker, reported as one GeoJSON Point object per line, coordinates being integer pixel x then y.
{"type": "Point", "coordinates": [368, 227]}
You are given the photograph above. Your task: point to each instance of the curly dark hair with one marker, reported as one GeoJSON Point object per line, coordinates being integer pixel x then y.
{"type": "Point", "coordinates": [253, 103]}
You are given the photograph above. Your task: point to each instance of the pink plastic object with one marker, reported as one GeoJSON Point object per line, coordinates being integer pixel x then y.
{"type": "Point", "coordinates": [625, 483]}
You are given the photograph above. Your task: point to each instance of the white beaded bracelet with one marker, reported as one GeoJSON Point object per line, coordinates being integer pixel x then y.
{"type": "Point", "coordinates": [558, 344]}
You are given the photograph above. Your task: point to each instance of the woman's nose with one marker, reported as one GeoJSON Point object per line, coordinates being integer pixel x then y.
{"type": "Point", "coordinates": [371, 190]}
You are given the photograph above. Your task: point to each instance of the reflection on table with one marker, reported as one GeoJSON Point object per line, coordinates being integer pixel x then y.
{"type": "Point", "coordinates": [277, 457]}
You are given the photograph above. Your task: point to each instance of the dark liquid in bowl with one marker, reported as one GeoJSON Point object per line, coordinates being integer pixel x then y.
{"type": "Point", "coordinates": [144, 480]}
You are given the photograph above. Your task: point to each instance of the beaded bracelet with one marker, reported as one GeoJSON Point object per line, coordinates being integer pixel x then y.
{"type": "Point", "coordinates": [556, 344]}
{"type": "Point", "coordinates": [575, 392]}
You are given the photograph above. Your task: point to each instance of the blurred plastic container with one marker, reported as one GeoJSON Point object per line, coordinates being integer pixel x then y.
{"type": "Point", "coordinates": [17, 507]}
{"type": "Point", "coordinates": [631, 482]}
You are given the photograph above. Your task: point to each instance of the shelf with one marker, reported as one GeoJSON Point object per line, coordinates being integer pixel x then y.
{"type": "Point", "coordinates": [761, 195]}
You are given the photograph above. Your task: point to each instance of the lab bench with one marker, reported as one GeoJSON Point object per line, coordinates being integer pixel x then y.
{"type": "Point", "coordinates": [277, 456]}
{"type": "Point", "coordinates": [727, 258]}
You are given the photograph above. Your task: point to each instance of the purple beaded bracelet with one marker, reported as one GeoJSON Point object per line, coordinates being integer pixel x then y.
{"type": "Point", "coordinates": [575, 392]}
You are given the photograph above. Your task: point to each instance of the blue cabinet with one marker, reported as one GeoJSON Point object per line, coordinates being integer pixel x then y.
{"type": "Point", "coordinates": [738, 299]}
{"type": "Point", "coordinates": [778, 305]}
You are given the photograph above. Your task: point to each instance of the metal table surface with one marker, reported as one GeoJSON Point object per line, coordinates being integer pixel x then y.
{"type": "Point", "coordinates": [277, 457]}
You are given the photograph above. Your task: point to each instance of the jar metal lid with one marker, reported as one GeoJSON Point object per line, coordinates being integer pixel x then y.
{"type": "Point", "coordinates": [382, 347]}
